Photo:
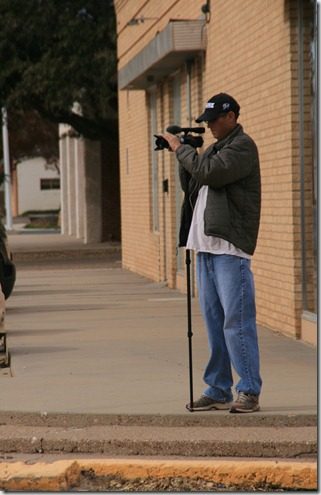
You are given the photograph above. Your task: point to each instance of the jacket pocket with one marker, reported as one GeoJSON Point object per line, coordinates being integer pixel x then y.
{"type": "Point", "coordinates": [217, 213]}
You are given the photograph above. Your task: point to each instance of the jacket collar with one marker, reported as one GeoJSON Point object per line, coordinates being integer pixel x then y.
{"type": "Point", "coordinates": [222, 142]}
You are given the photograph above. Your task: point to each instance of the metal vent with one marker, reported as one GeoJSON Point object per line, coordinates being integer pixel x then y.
{"type": "Point", "coordinates": [178, 42]}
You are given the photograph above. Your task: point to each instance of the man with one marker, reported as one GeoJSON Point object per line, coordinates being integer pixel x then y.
{"type": "Point", "coordinates": [223, 231]}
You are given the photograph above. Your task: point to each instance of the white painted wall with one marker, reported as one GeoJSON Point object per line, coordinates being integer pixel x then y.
{"type": "Point", "coordinates": [80, 169]}
{"type": "Point", "coordinates": [30, 196]}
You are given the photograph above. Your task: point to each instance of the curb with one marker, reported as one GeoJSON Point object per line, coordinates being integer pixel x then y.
{"type": "Point", "coordinates": [65, 254]}
{"type": "Point", "coordinates": [195, 419]}
{"type": "Point", "coordinates": [202, 442]}
{"type": "Point", "coordinates": [62, 475]}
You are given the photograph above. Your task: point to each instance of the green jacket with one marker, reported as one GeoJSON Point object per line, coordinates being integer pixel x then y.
{"type": "Point", "coordinates": [230, 167]}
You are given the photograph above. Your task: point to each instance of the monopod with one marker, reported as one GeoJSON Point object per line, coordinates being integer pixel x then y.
{"type": "Point", "coordinates": [190, 406]}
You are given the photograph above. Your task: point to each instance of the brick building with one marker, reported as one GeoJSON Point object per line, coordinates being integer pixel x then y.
{"type": "Point", "coordinates": [173, 57]}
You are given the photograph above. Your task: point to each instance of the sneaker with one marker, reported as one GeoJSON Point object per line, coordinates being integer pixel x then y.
{"type": "Point", "coordinates": [206, 404]}
{"type": "Point", "coordinates": [245, 403]}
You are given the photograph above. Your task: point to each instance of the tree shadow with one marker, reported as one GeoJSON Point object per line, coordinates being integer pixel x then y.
{"type": "Point", "coordinates": [54, 308]}
{"type": "Point", "coordinates": [42, 331]}
{"type": "Point", "coordinates": [23, 351]}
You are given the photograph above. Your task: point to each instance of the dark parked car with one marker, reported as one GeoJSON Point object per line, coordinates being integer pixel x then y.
{"type": "Point", "coordinates": [7, 267]}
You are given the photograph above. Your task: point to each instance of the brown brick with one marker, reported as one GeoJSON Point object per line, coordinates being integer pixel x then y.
{"type": "Point", "coordinates": [258, 64]}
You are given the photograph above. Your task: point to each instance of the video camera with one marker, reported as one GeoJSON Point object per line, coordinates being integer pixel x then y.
{"type": "Point", "coordinates": [186, 138]}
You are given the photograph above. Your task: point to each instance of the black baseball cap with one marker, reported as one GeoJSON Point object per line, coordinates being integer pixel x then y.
{"type": "Point", "coordinates": [218, 104]}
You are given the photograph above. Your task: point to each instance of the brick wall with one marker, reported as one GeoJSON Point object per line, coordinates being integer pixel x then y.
{"type": "Point", "coordinates": [251, 53]}
{"type": "Point", "coordinates": [144, 251]}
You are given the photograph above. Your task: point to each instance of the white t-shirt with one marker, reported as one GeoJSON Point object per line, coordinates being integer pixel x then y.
{"type": "Point", "coordinates": [199, 241]}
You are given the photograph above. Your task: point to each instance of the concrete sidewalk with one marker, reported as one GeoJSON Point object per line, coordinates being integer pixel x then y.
{"type": "Point", "coordinates": [89, 337]}
{"type": "Point", "coordinates": [31, 245]}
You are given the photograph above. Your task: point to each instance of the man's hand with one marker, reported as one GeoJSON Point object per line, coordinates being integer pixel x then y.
{"type": "Point", "coordinates": [173, 141]}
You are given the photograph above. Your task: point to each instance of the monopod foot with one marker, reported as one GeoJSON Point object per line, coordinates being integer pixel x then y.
{"type": "Point", "coordinates": [190, 407]}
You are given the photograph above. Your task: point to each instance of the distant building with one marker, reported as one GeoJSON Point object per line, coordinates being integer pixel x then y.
{"type": "Point", "coordinates": [36, 186]}
{"type": "Point", "coordinates": [90, 203]}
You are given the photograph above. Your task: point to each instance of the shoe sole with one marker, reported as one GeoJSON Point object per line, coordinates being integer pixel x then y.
{"type": "Point", "coordinates": [218, 407]}
{"type": "Point", "coordinates": [239, 410]}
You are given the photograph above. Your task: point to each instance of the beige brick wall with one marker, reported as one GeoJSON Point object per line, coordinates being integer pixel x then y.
{"type": "Point", "coordinates": [257, 72]}
{"type": "Point", "coordinates": [251, 53]}
{"type": "Point", "coordinates": [139, 243]}
{"type": "Point", "coordinates": [144, 251]}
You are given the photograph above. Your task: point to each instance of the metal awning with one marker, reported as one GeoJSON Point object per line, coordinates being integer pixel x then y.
{"type": "Point", "coordinates": [178, 42]}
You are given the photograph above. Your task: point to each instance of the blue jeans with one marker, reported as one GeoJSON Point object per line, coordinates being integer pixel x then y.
{"type": "Point", "coordinates": [227, 300]}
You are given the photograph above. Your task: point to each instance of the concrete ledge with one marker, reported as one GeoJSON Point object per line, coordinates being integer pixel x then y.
{"type": "Point", "coordinates": [166, 441]}
{"type": "Point", "coordinates": [62, 475]}
{"type": "Point", "coordinates": [220, 418]}
{"type": "Point", "coordinates": [66, 254]}
{"type": "Point", "coordinates": [52, 477]}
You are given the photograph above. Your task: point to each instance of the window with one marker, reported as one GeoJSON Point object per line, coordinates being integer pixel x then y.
{"type": "Point", "coordinates": [46, 184]}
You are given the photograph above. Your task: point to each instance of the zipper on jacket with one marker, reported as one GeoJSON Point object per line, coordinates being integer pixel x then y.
{"type": "Point", "coordinates": [190, 196]}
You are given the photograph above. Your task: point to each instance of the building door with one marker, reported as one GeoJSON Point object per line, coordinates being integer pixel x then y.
{"type": "Point", "coordinates": [309, 150]}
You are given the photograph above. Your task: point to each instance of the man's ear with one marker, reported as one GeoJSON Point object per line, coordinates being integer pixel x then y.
{"type": "Point", "coordinates": [232, 116]}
